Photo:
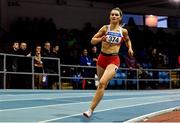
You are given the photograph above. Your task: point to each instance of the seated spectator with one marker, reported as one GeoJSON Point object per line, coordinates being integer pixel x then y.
{"type": "Point", "coordinates": [77, 78]}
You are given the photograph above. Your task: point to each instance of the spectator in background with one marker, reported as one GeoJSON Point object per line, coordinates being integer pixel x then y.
{"type": "Point", "coordinates": [12, 60]}
{"type": "Point", "coordinates": [155, 61]}
{"type": "Point", "coordinates": [55, 54]}
{"type": "Point", "coordinates": [38, 67]}
{"type": "Point", "coordinates": [94, 54]}
{"type": "Point", "coordinates": [14, 48]}
{"type": "Point", "coordinates": [24, 62]}
{"type": "Point", "coordinates": [55, 51]}
{"type": "Point", "coordinates": [47, 49]}
{"type": "Point", "coordinates": [12, 64]}
{"type": "Point", "coordinates": [154, 58]}
{"type": "Point", "coordinates": [24, 49]}
{"type": "Point", "coordinates": [86, 60]}
{"type": "Point", "coordinates": [132, 64]}
{"type": "Point", "coordinates": [24, 65]}
{"type": "Point", "coordinates": [47, 63]}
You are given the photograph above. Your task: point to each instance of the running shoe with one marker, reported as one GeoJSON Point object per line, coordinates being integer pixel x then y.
{"type": "Point", "coordinates": [88, 113]}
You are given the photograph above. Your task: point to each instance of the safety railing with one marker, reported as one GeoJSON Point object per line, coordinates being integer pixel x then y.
{"type": "Point", "coordinates": [125, 78]}
{"type": "Point", "coordinates": [85, 77]}
{"type": "Point", "coordinates": [7, 68]}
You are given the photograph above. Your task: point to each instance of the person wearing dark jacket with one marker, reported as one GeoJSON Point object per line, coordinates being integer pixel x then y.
{"type": "Point", "coordinates": [24, 65]}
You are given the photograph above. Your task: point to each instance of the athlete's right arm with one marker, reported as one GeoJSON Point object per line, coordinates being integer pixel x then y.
{"type": "Point", "coordinates": [99, 36]}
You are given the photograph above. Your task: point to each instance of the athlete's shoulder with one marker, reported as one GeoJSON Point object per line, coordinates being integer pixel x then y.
{"type": "Point", "coordinates": [124, 31]}
{"type": "Point", "coordinates": [104, 28]}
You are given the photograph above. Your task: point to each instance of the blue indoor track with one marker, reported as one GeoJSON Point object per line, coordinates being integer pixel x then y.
{"type": "Point", "coordinates": [42, 106]}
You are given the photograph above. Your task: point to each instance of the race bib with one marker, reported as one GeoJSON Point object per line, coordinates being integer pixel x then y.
{"type": "Point", "coordinates": [113, 37]}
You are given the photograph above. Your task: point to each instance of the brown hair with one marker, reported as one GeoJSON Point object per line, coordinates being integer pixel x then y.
{"type": "Point", "coordinates": [119, 10]}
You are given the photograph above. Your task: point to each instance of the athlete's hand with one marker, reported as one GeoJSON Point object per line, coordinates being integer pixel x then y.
{"type": "Point", "coordinates": [103, 38]}
{"type": "Point", "coordinates": [130, 51]}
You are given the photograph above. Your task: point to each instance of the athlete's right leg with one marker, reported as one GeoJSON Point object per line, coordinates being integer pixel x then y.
{"type": "Point", "coordinates": [108, 74]}
{"type": "Point", "coordinates": [89, 112]}
{"type": "Point", "coordinates": [100, 89]}
{"type": "Point", "coordinates": [105, 77]}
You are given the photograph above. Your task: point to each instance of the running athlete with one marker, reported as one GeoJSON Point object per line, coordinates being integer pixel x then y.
{"type": "Point", "coordinates": [111, 36]}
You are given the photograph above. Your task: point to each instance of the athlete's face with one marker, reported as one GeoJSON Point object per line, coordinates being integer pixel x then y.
{"type": "Point", "coordinates": [115, 16]}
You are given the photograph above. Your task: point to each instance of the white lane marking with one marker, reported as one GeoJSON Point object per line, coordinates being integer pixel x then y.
{"type": "Point", "coordinates": [60, 118]}
{"type": "Point", "coordinates": [137, 119]}
{"type": "Point", "coordinates": [82, 95]}
{"type": "Point", "coordinates": [62, 96]}
{"type": "Point", "coordinates": [41, 98]}
{"type": "Point", "coordinates": [108, 100]}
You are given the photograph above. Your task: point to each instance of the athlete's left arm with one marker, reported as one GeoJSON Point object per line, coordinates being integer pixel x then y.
{"type": "Point", "coordinates": [127, 42]}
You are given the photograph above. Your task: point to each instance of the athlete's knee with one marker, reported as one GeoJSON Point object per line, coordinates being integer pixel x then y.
{"type": "Point", "coordinates": [102, 85]}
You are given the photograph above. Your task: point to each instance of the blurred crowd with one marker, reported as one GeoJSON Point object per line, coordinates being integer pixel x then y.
{"type": "Point", "coordinates": [154, 48]}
